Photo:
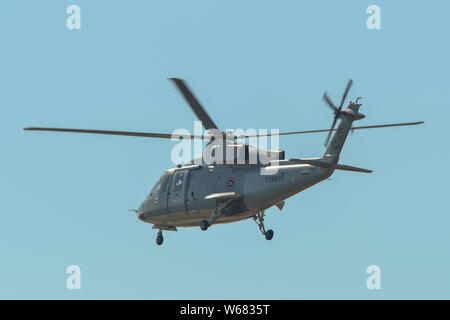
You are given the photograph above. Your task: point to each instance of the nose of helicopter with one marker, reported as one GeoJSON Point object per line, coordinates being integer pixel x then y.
{"type": "Point", "coordinates": [141, 211]}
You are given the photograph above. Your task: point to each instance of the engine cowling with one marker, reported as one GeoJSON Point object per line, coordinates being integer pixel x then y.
{"type": "Point", "coordinates": [244, 154]}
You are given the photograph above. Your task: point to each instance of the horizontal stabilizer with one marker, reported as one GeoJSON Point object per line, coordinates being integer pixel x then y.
{"type": "Point", "coordinates": [350, 168]}
{"type": "Point", "coordinates": [323, 164]}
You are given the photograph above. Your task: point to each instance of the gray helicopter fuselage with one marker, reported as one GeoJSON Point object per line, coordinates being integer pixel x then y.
{"type": "Point", "coordinates": [178, 198]}
{"type": "Point", "coordinates": [186, 196]}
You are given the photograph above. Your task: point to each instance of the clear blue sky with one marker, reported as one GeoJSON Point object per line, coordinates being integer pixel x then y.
{"type": "Point", "coordinates": [253, 64]}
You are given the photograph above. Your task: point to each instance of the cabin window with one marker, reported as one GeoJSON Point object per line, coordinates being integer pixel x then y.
{"type": "Point", "coordinates": [178, 184]}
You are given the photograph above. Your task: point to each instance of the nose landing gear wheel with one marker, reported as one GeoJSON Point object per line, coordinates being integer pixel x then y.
{"type": "Point", "coordinates": [159, 238]}
{"type": "Point", "coordinates": [269, 234]}
{"type": "Point", "coordinates": [204, 225]}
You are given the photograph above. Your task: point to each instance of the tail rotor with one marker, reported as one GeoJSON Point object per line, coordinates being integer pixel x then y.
{"type": "Point", "coordinates": [337, 111]}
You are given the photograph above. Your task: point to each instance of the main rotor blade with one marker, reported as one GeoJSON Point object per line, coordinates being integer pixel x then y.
{"type": "Point", "coordinates": [169, 136]}
{"type": "Point", "coordinates": [118, 133]}
{"type": "Point", "coordinates": [389, 125]}
{"type": "Point", "coordinates": [349, 85]}
{"type": "Point", "coordinates": [330, 130]}
{"type": "Point", "coordinates": [330, 103]}
{"type": "Point", "coordinates": [195, 105]}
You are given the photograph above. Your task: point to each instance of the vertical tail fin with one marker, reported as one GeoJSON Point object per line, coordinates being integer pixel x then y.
{"type": "Point", "coordinates": [336, 144]}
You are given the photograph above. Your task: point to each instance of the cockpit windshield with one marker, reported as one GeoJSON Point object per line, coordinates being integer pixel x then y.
{"type": "Point", "coordinates": [157, 187]}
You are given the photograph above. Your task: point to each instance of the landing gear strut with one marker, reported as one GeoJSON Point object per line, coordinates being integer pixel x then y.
{"type": "Point", "coordinates": [159, 238]}
{"type": "Point", "coordinates": [259, 219]}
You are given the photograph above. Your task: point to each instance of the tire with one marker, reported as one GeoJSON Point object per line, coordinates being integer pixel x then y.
{"type": "Point", "coordinates": [204, 225]}
{"type": "Point", "coordinates": [159, 240]}
{"type": "Point", "coordinates": [269, 234]}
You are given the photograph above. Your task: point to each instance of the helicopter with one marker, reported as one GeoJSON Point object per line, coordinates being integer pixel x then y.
{"type": "Point", "coordinates": [238, 184]}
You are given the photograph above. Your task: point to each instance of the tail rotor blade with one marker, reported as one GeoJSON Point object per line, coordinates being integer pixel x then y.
{"type": "Point", "coordinates": [330, 103]}
{"type": "Point", "coordinates": [349, 85]}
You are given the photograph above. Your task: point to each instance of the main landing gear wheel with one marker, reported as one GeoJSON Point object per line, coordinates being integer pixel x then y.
{"type": "Point", "coordinates": [259, 219]}
{"type": "Point", "coordinates": [159, 238]}
{"type": "Point", "coordinates": [204, 225]}
{"type": "Point", "coordinates": [269, 234]}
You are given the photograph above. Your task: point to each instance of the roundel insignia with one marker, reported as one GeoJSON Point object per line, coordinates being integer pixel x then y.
{"type": "Point", "coordinates": [230, 183]}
